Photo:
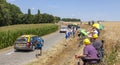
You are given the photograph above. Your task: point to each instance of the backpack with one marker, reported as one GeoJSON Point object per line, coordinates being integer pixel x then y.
{"type": "Point", "coordinates": [41, 41]}
{"type": "Point", "coordinates": [40, 44]}
{"type": "Point", "coordinates": [101, 51]}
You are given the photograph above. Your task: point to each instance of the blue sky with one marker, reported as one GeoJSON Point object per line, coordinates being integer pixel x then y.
{"type": "Point", "coordinates": [83, 9]}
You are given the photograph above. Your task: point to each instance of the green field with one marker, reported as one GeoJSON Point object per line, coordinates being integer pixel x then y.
{"type": "Point", "coordinates": [8, 34]}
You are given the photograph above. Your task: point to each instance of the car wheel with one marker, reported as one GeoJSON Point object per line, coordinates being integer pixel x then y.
{"type": "Point", "coordinates": [33, 48]}
{"type": "Point", "coordinates": [15, 50]}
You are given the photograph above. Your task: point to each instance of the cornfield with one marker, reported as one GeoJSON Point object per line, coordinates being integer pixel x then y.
{"type": "Point", "coordinates": [8, 34]}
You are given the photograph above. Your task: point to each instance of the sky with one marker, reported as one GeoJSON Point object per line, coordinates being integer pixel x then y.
{"type": "Point", "coordinates": [86, 10]}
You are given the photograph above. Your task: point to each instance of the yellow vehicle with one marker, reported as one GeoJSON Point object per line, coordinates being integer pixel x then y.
{"type": "Point", "coordinates": [26, 42]}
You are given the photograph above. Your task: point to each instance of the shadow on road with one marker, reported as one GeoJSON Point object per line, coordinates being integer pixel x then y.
{"type": "Point", "coordinates": [23, 51]}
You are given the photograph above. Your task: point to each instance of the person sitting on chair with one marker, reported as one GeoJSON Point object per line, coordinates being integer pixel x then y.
{"type": "Point", "coordinates": [89, 52]}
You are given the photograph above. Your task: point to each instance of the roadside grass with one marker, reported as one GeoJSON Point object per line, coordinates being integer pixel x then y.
{"type": "Point", "coordinates": [112, 43]}
{"type": "Point", "coordinates": [57, 55]}
{"type": "Point", "coordinates": [8, 34]}
{"type": "Point", "coordinates": [22, 26]}
{"type": "Point", "coordinates": [111, 36]}
{"type": "Point", "coordinates": [49, 56]}
{"type": "Point", "coordinates": [60, 54]}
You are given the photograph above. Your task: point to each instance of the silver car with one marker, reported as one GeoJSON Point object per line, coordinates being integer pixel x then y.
{"type": "Point", "coordinates": [63, 29]}
{"type": "Point", "coordinates": [26, 42]}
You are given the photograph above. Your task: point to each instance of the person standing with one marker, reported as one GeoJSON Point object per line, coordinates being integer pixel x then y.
{"type": "Point", "coordinates": [67, 35]}
{"type": "Point", "coordinates": [39, 46]}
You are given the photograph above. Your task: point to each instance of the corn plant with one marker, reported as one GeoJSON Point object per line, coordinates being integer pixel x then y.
{"type": "Point", "coordinates": [8, 36]}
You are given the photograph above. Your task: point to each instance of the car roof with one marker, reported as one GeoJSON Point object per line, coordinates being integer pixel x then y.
{"type": "Point", "coordinates": [28, 35]}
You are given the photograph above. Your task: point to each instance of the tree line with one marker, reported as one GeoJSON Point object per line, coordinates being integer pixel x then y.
{"type": "Point", "coordinates": [70, 19]}
{"type": "Point", "coordinates": [10, 14]}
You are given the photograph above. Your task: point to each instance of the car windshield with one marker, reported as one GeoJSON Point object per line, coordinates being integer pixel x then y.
{"type": "Point", "coordinates": [63, 27]}
{"type": "Point", "coordinates": [22, 39]}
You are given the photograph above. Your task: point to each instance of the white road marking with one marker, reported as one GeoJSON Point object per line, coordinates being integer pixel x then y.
{"type": "Point", "coordinates": [9, 53]}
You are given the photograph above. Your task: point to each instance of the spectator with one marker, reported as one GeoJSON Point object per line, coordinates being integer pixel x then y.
{"type": "Point", "coordinates": [67, 35]}
{"type": "Point", "coordinates": [98, 46]}
{"type": "Point", "coordinates": [96, 29]}
{"type": "Point", "coordinates": [89, 52]}
{"type": "Point", "coordinates": [39, 46]}
{"type": "Point", "coordinates": [92, 22]}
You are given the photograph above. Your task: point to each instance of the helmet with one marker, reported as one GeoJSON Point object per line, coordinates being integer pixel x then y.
{"type": "Point", "coordinates": [95, 36]}
{"type": "Point", "coordinates": [96, 25]}
{"type": "Point", "coordinates": [86, 41]}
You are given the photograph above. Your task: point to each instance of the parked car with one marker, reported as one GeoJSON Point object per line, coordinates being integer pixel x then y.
{"type": "Point", "coordinates": [26, 42]}
{"type": "Point", "coordinates": [63, 29]}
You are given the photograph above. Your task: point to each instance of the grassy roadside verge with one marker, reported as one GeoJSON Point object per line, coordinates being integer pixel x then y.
{"type": "Point", "coordinates": [112, 43]}
{"type": "Point", "coordinates": [8, 34]}
{"type": "Point", "coordinates": [59, 54]}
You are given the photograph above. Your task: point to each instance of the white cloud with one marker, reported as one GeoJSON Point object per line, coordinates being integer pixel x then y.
{"type": "Point", "coordinates": [33, 8]}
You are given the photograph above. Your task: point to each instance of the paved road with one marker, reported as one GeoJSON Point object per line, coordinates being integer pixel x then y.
{"type": "Point", "coordinates": [19, 58]}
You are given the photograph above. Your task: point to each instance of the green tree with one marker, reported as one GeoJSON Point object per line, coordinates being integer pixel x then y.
{"type": "Point", "coordinates": [24, 19]}
{"type": "Point", "coordinates": [29, 18]}
{"type": "Point", "coordinates": [56, 19]}
{"type": "Point", "coordinates": [5, 17]}
{"type": "Point", "coordinates": [15, 14]}
{"type": "Point", "coordinates": [47, 18]}
{"type": "Point", "coordinates": [38, 17]}
{"type": "Point", "coordinates": [10, 14]}
{"type": "Point", "coordinates": [70, 19]}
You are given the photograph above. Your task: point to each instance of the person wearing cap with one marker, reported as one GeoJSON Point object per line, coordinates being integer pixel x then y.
{"type": "Point", "coordinates": [101, 26]}
{"type": "Point", "coordinates": [95, 29]}
{"type": "Point", "coordinates": [96, 42]}
{"type": "Point", "coordinates": [98, 45]}
{"type": "Point", "coordinates": [83, 33]}
{"type": "Point", "coordinates": [89, 52]}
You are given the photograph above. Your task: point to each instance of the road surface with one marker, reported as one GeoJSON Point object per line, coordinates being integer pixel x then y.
{"type": "Point", "coordinates": [10, 57]}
